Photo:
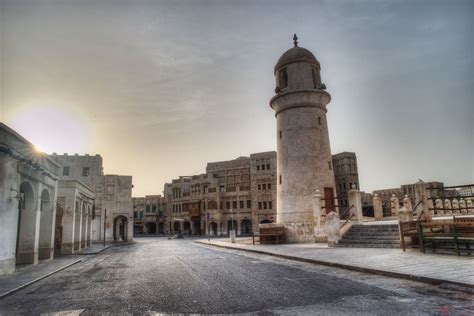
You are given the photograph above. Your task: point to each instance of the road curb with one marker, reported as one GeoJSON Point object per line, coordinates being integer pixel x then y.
{"type": "Point", "coordinates": [349, 267]}
{"type": "Point", "coordinates": [2, 295]}
{"type": "Point", "coordinates": [103, 249]}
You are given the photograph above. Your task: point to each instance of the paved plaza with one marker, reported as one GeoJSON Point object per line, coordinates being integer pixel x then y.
{"type": "Point", "coordinates": [157, 275]}
{"type": "Point", "coordinates": [412, 264]}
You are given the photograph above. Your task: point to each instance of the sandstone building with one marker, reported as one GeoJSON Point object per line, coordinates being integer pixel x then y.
{"type": "Point", "coordinates": [148, 214]}
{"type": "Point", "coordinates": [238, 193]}
{"type": "Point", "coordinates": [111, 211]}
{"type": "Point", "coordinates": [346, 176]}
{"type": "Point", "coordinates": [28, 187]}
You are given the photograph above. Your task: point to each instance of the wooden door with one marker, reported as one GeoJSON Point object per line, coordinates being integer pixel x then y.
{"type": "Point", "coordinates": [329, 200]}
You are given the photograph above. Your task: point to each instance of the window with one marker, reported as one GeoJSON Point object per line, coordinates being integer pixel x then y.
{"type": "Point", "coordinates": [227, 205]}
{"type": "Point", "coordinates": [148, 208]}
{"type": "Point", "coordinates": [319, 120]}
{"type": "Point", "coordinates": [264, 205]}
{"type": "Point", "coordinates": [269, 186]}
{"type": "Point", "coordinates": [85, 171]}
{"type": "Point", "coordinates": [234, 205]}
{"type": "Point", "coordinates": [241, 204]}
{"type": "Point", "coordinates": [249, 204]}
{"type": "Point", "coordinates": [153, 208]}
{"type": "Point", "coordinates": [263, 167]}
{"type": "Point", "coordinates": [280, 179]}
{"type": "Point", "coordinates": [329, 164]}
{"type": "Point", "coordinates": [268, 166]}
{"type": "Point", "coordinates": [283, 79]}
{"type": "Point", "coordinates": [280, 134]}
{"type": "Point", "coordinates": [270, 206]}
{"type": "Point", "coordinates": [65, 171]}
{"type": "Point", "coordinates": [258, 167]}
{"type": "Point", "coordinates": [259, 205]}
{"type": "Point", "coordinates": [259, 187]}
{"type": "Point", "coordinates": [264, 186]}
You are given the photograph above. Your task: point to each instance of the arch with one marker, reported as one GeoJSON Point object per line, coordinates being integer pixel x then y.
{"type": "Point", "coordinates": [316, 78]}
{"type": "Point", "coordinates": [229, 225]}
{"type": "Point", "coordinates": [187, 228]}
{"type": "Point", "coordinates": [26, 247]}
{"type": "Point", "coordinates": [246, 227]}
{"type": "Point", "coordinates": [283, 79]}
{"type": "Point", "coordinates": [45, 248]}
{"type": "Point", "coordinates": [265, 221]}
{"type": "Point", "coordinates": [212, 205]}
{"type": "Point", "coordinates": [176, 227]}
{"type": "Point", "coordinates": [120, 228]}
{"type": "Point", "coordinates": [213, 228]}
{"type": "Point", "coordinates": [161, 228]}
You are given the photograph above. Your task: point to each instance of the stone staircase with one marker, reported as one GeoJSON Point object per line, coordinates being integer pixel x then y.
{"type": "Point", "coordinates": [371, 236]}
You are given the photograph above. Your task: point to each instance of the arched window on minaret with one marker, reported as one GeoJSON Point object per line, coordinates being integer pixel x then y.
{"type": "Point", "coordinates": [283, 81]}
{"type": "Point", "coordinates": [316, 78]}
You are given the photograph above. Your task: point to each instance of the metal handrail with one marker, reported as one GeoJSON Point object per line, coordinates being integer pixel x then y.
{"type": "Point", "coordinates": [350, 217]}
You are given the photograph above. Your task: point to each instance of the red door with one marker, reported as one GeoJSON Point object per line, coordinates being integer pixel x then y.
{"type": "Point", "coordinates": [329, 200]}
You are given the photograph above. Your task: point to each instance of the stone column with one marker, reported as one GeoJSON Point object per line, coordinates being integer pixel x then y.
{"type": "Point", "coordinates": [447, 207]}
{"type": "Point", "coordinates": [455, 206]}
{"type": "Point", "coordinates": [332, 228]}
{"type": "Point", "coordinates": [408, 206]}
{"type": "Point", "coordinates": [439, 207]}
{"type": "Point", "coordinates": [355, 203]}
{"type": "Point", "coordinates": [319, 233]}
{"type": "Point", "coordinates": [421, 195]}
{"type": "Point", "coordinates": [462, 206]}
{"type": "Point", "coordinates": [394, 205]}
{"type": "Point", "coordinates": [69, 223]}
{"type": "Point", "coordinates": [378, 208]}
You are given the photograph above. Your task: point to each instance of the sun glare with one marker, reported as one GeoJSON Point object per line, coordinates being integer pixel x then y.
{"type": "Point", "coordinates": [51, 128]}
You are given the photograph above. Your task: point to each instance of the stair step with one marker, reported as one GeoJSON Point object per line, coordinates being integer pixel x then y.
{"type": "Point", "coordinates": [362, 241]}
{"type": "Point", "coordinates": [367, 246]}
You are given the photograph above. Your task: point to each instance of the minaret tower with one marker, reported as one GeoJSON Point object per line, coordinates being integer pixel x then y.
{"type": "Point", "coordinates": [304, 162]}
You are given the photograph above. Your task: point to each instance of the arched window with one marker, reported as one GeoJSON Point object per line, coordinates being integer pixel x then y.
{"type": "Point", "coordinates": [316, 78]}
{"type": "Point", "coordinates": [212, 205]}
{"type": "Point", "coordinates": [283, 79]}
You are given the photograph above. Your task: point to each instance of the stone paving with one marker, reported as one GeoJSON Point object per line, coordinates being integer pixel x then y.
{"type": "Point", "coordinates": [27, 275]}
{"type": "Point", "coordinates": [413, 265]}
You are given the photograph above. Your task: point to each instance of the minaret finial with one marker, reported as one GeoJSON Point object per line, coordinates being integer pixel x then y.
{"type": "Point", "coordinates": [295, 40]}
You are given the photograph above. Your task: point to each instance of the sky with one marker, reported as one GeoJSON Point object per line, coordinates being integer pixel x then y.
{"type": "Point", "coordinates": [160, 88]}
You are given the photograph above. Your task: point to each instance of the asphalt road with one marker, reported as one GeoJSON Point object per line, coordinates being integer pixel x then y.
{"type": "Point", "coordinates": [157, 275]}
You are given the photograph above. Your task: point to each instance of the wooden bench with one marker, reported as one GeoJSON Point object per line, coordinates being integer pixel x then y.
{"type": "Point", "coordinates": [450, 234]}
{"type": "Point", "coordinates": [269, 234]}
{"type": "Point", "coordinates": [409, 229]}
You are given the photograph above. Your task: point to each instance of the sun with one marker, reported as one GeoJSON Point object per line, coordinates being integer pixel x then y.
{"type": "Point", "coordinates": [52, 128]}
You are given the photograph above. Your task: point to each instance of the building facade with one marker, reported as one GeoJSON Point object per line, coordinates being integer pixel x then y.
{"type": "Point", "coordinates": [28, 188]}
{"type": "Point", "coordinates": [234, 194]}
{"type": "Point", "coordinates": [346, 176]}
{"type": "Point", "coordinates": [112, 211]}
{"type": "Point", "coordinates": [148, 214]}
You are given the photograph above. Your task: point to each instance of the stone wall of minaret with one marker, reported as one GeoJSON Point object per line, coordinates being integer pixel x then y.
{"type": "Point", "coordinates": [304, 161]}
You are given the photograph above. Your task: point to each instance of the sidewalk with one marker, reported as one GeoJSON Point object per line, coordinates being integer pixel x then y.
{"type": "Point", "coordinates": [30, 274]}
{"type": "Point", "coordinates": [412, 265]}
{"type": "Point", "coordinates": [33, 273]}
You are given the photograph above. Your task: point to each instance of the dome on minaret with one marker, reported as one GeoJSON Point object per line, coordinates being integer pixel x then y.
{"type": "Point", "coordinates": [295, 55]}
{"type": "Point", "coordinates": [297, 69]}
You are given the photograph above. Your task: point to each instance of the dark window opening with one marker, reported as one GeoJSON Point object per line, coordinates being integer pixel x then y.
{"type": "Point", "coordinates": [283, 82]}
